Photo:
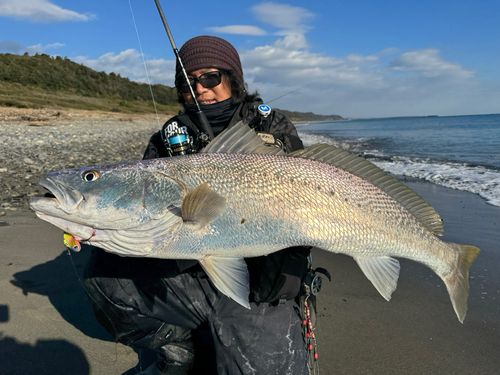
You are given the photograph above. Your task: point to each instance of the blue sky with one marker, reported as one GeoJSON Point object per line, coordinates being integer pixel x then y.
{"type": "Point", "coordinates": [355, 58]}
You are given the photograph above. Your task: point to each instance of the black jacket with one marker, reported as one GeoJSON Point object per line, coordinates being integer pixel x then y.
{"type": "Point", "coordinates": [277, 124]}
{"type": "Point", "coordinates": [277, 275]}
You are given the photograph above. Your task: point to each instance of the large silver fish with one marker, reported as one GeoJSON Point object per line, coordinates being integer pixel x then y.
{"type": "Point", "coordinates": [239, 198]}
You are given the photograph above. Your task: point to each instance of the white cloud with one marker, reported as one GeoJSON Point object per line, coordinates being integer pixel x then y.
{"type": "Point", "coordinates": [429, 63]}
{"type": "Point", "coordinates": [39, 48]}
{"type": "Point", "coordinates": [388, 51]}
{"type": "Point", "coordinates": [11, 47]}
{"type": "Point", "coordinates": [130, 64]}
{"type": "Point", "coordinates": [388, 83]}
{"type": "Point", "coordinates": [238, 29]}
{"type": "Point", "coordinates": [285, 62]}
{"type": "Point", "coordinates": [286, 17]}
{"type": "Point", "coordinates": [39, 11]}
{"type": "Point", "coordinates": [352, 86]}
{"type": "Point", "coordinates": [14, 47]}
{"type": "Point", "coordinates": [290, 20]}
{"type": "Point", "coordinates": [292, 41]}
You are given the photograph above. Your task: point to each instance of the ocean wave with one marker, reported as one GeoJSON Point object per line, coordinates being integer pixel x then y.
{"type": "Point", "coordinates": [358, 145]}
{"type": "Point", "coordinates": [477, 179]}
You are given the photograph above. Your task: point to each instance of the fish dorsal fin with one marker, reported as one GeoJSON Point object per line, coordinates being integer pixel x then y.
{"type": "Point", "coordinates": [240, 139]}
{"type": "Point", "coordinates": [366, 170]}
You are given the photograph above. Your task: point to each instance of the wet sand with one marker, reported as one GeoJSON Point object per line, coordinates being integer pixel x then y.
{"type": "Point", "coordinates": [417, 332]}
{"type": "Point", "coordinates": [47, 326]}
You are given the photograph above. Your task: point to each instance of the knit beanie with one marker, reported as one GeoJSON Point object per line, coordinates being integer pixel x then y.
{"type": "Point", "coordinates": [208, 52]}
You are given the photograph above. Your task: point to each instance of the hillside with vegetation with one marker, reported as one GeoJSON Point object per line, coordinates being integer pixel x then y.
{"type": "Point", "coordinates": [309, 116]}
{"type": "Point", "coordinates": [41, 81]}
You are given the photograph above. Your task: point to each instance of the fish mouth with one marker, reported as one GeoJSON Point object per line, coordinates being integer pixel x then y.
{"type": "Point", "coordinates": [79, 231]}
{"type": "Point", "coordinates": [60, 197]}
{"type": "Point", "coordinates": [57, 206]}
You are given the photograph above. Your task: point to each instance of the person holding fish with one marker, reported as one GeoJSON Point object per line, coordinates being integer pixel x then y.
{"type": "Point", "coordinates": [171, 306]}
{"type": "Point", "coordinates": [218, 237]}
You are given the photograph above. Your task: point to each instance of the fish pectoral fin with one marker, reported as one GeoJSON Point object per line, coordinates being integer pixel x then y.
{"type": "Point", "coordinates": [383, 272]}
{"type": "Point", "coordinates": [202, 205]}
{"type": "Point", "coordinates": [230, 276]}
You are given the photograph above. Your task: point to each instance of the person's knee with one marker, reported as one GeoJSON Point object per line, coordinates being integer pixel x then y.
{"type": "Point", "coordinates": [164, 336]}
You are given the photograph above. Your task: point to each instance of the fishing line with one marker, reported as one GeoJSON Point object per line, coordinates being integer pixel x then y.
{"type": "Point", "coordinates": [69, 251]}
{"type": "Point", "coordinates": [144, 62]}
{"type": "Point", "coordinates": [291, 92]}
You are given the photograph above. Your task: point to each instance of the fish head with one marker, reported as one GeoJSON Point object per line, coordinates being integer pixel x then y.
{"type": "Point", "coordinates": [91, 203]}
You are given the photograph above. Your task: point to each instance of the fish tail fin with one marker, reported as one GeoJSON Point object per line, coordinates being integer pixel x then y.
{"type": "Point", "coordinates": [457, 282]}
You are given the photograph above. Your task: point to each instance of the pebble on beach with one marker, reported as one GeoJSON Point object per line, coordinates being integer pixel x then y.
{"type": "Point", "coordinates": [70, 139]}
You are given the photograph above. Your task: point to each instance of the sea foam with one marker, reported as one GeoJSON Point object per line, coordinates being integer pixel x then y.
{"type": "Point", "coordinates": [476, 179]}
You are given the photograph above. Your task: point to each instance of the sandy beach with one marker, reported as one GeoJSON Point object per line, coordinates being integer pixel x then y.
{"type": "Point", "coordinates": [47, 326]}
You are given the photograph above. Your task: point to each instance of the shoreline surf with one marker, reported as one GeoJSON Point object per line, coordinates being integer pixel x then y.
{"type": "Point", "coordinates": [459, 152]}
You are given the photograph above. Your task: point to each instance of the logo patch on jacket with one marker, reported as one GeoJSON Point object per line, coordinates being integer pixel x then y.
{"type": "Point", "coordinates": [173, 128]}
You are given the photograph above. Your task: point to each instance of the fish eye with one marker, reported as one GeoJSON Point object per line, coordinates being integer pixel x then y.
{"type": "Point", "coordinates": [90, 176]}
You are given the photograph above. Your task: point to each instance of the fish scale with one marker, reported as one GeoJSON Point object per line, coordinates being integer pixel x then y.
{"type": "Point", "coordinates": [228, 203]}
{"type": "Point", "coordinates": [361, 220]}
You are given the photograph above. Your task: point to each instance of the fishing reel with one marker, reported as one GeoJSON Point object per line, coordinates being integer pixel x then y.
{"type": "Point", "coordinates": [178, 144]}
{"type": "Point", "coordinates": [181, 137]}
{"type": "Point", "coordinates": [182, 144]}
{"type": "Point", "coordinates": [312, 281]}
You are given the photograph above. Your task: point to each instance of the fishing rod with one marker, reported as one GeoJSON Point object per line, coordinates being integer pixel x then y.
{"type": "Point", "coordinates": [202, 119]}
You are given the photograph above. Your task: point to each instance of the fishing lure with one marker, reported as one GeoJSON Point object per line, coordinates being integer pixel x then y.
{"type": "Point", "coordinates": [70, 242]}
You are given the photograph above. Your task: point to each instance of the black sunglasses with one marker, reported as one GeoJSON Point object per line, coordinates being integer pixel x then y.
{"type": "Point", "coordinates": [207, 80]}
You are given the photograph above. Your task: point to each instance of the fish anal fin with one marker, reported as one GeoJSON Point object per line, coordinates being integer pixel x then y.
{"type": "Point", "coordinates": [230, 276]}
{"type": "Point", "coordinates": [383, 272]}
{"type": "Point", "coordinates": [202, 205]}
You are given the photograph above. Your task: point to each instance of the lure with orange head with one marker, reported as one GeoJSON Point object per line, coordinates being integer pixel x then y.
{"type": "Point", "coordinates": [70, 242]}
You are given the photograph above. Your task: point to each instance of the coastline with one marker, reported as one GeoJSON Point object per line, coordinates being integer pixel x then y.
{"type": "Point", "coordinates": [47, 326]}
{"type": "Point", "coordinates": [317, 121]}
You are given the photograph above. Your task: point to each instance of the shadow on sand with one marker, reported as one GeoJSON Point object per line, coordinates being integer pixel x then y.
{"type": "Point", "coordinates": [46, 357]}
{"type": "Point", "coordinates": [58, 280]}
